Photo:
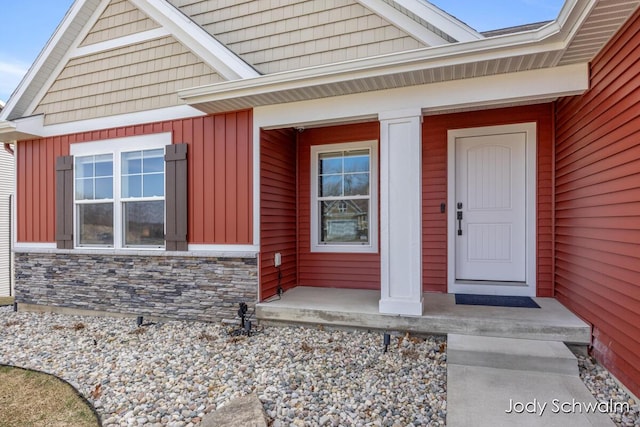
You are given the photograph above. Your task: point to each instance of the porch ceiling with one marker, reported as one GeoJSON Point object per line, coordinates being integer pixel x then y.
{"type": "Point", "coordinates": [581, 30]}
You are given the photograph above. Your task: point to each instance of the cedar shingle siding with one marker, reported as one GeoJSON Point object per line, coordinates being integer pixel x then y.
{"type": "Point", "coordinates": [133, 78]}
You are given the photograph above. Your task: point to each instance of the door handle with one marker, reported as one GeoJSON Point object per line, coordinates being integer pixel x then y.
{"type": "Point", "coordinates": [459, 218]}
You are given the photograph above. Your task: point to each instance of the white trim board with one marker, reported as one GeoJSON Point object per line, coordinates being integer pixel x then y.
{"type": "Point", "coordinates": [528, 289]}
{"type": "Point", "coordinates": [526, 86]}
{"type": "Point", "coordinates": [131, 39]}
{"type": "Point", "coordinates": [441, 20]}
{"type": "Point", "coordinates": [65, 42]}
{"type": "Point", "coordinates": [372, 246]}
{"type": "Point", "coordinates": [115, 147]}
{"type": "Point", "coordinates": [67, 55]}
{"type": "Point", "coordinates": [34, 125]}
{"type": "Point", "coordinates": [218, 251]}
{"type": "Point", "coordinates": [58, 37]}
{"type": "Point", "coordinates": [403, 22]}
{"type": "Point", "coordinates": [195, 38]}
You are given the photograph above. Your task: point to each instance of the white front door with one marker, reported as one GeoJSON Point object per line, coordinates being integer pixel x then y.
{"type": "Point", "coordinates": [489, 211]}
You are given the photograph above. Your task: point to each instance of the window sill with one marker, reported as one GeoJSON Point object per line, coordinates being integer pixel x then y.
{"type": "Point", "coordinates": [344, 249]}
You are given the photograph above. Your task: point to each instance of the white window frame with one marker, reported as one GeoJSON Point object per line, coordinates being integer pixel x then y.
{"type": "Point", "coordinates": [372, 245]}
{"type": "Point", "coordinates": [116, 147]}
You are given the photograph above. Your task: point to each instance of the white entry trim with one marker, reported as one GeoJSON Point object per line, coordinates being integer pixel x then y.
{"type": "Point", "coordinates": [528, 289]}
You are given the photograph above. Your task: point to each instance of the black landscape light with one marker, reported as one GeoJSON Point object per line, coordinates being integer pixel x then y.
{"type": "Point", "coordinates": [387, 341]}
{"type": "Point", "coordinates": [247, 327]}
{"type": "Point", "coordinates": [139, 321]}
{"type": "Point", "coordinates": [242, 312]}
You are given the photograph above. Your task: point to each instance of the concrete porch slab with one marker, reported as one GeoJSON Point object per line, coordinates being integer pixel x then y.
{"type": "Point", "coordinates": [359, 309]}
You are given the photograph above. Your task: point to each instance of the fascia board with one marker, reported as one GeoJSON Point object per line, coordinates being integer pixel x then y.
{"type": "Point", "coordinates": [541, 85]}
{"type": "Point", "coordinates": [402, 21]}
{"type": "Point", "coordinates": [553, 37]}
{"type": "Point", "coordinates": [44, 55]}
{"type": "Point", "coordinates": [34, 126]}
{"type": "Point", "coordinates": [201, 43]}
{"type": "Point", "coordinates": [351, 70]}
{"type": "Point", "coordinates": [66, 56]}
{"type": "Point", "coordinates": [440, 19]}
{"type": "Point", "coordinates": [10, 132]}
{"type": "Point", "coordinates": [206, 47]}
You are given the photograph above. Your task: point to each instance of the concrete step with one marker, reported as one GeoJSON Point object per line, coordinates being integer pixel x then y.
{"type": "Point", "coordinates": [511, 353]}
{"type": "Point", "coordinates": [358, 308]}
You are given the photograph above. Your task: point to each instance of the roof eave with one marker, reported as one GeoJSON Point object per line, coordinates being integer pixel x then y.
{"type": "Point", "coordinates": [10, 132]}
{"type": "Point", "coordinates": [549, 39]}
{"type": "Point", "coordinates": [420, 59]}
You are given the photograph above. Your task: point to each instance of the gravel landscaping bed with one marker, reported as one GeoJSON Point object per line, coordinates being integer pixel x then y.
{"type": "Point", "coordinates": [174, 373]}
{"type": "Point", "coordinates": [604, 387]}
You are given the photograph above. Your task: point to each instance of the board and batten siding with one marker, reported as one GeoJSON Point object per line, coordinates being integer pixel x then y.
{"type": "Point", "coordinates": [434, 188]}
{"type": "Point", "coordinates": [597, 188]}
{"type": "Point", "coordinates": [220, 196]}
{"type": "Point", "coordinates": [278, 210]}
{"type": "Point", "coordinates": [283, 35]}
{"type": "Point", "coordinates": [6, 190]}
{"type": "Point", "coordinates": [324, 269]}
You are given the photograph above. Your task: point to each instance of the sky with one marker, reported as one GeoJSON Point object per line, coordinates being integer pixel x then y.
{"type": "Point", "coordinates": [27, 25]}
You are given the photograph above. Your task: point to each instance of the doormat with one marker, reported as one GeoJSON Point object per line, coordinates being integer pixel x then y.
{"type": "Point", "coordinates": [496, 301]}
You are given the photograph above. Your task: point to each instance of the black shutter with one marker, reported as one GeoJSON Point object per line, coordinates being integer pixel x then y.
{"type": "Point", "coordinates": [176, 197]}
{"type": "Point", "coordinates": [64, 202]}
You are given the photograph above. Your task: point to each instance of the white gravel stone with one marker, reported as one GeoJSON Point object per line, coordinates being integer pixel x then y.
{"type": "Point", "coordinates": [174, 373]}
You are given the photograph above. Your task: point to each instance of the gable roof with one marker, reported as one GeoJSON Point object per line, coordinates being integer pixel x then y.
{"type": "Point", "coordinates": [67, 38]}
{"type": "Point", "coordinates": [454, 51]}
{"type": "Point", "coordinates": [582, 28]}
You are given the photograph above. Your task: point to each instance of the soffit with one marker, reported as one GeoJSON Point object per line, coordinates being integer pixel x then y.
{"type": "Point", "coordinates": [581, 31]}
{"type": "Point", "coordinates": [605, 19]}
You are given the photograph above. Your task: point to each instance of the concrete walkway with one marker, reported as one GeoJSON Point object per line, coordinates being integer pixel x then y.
{"type": "Point", "coordinates": [509, 382]}
{"type": "Point", "coordinates": [505, 366]}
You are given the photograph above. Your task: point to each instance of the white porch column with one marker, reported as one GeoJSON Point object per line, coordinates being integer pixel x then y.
{"type": "Point", "coordinates": [401, 212]}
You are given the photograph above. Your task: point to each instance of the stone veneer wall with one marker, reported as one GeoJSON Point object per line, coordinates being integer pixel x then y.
{"type": "Point", "coordinates": [175, 287]}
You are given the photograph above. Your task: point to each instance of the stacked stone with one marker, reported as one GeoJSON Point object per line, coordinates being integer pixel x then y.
{"type": "Point", "coordinates": [174, 287]}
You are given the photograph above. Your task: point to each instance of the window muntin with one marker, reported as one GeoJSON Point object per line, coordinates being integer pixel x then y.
{"type": "Point", "coordinates": [344, 202]}
{"type": "Point", "coordinates": [94, 177]}
{"type": "Point", "coordinates": [128, 184]}
{"type": "Point", "coordinates": [143, 174]}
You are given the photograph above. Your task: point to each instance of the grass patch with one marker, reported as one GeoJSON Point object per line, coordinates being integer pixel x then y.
{"type": "Point", "coordinates": [6, 300]}
{"type": "Point", "coordinates": [29, 398]}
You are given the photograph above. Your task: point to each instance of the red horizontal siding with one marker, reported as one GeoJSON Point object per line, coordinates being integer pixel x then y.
{"type": "Point", "coordinates": [345, 270]}
{"type": "Point", "coordinates": [220, 176]}
{"type": "Point", "coordinates": [278, 210]}
{"type": "Point", "coordinates": [434, 188]}
{"type": "Point", "coordinates": [598, 204]}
